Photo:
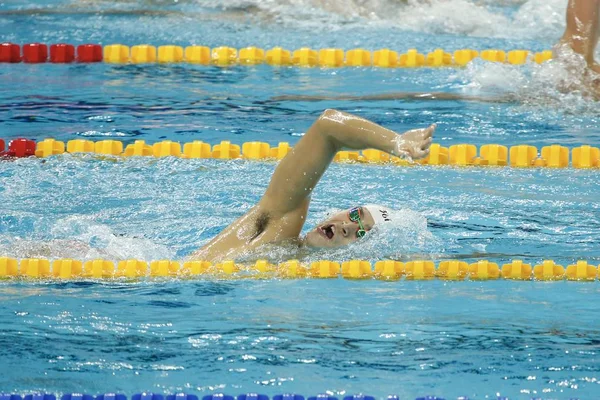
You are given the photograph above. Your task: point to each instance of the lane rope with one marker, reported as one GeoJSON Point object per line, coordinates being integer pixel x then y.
{"type": "Point", "coordinates": [547, 270]}
{"type": "Point", "coordinates": [463, 155]}
{"type": "Point", "coordinates": [60, 53]}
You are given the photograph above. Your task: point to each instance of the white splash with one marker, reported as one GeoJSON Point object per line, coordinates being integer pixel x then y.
{"type": "Point", "coordinates": [563, 83]}
{"type": "Point", "coordinates": [518, 19]}
{"type": "Point", "coordinates": [533, 19]}
{"type": "Point", "coordinates": [85, 239]}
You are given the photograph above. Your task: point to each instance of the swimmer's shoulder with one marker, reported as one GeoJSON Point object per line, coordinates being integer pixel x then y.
{"type": "Point", "coordinates": [271, 226]}
{"type": "Point", "coordinates": [257, 227]}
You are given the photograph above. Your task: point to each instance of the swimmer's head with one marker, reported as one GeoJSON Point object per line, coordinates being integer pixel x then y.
{"type": "Point", "coordinates": [347, 226]}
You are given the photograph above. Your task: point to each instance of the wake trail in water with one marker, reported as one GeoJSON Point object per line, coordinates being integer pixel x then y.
{"type": "Point", "coordinates": [531, 19]}
{"type": "Point", "coordinates": [81, 238]}
{"type": "Point", "coordinates": [564, 84]}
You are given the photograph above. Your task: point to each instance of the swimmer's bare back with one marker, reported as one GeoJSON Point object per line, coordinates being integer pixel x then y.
{"type": "Point", "coordinates": [281, 212]}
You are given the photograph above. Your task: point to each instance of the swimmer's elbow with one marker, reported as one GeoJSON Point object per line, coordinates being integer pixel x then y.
{"type": "Point", "coordinates": [330, 115]}
{"type": "Point", "coordinates": [341, 129]}
{"type": "Point", "coordinates": [329, 124]}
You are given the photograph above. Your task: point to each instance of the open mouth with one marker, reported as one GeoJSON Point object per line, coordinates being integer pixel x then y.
{"type": "Point", "coordinates": [327, 230]}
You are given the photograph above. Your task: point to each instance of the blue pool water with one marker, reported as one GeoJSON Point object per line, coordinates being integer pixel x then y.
{"type": "Point", "coordinates": [409, 338]}
{"type": "Point", "coordinates": [516, 339]}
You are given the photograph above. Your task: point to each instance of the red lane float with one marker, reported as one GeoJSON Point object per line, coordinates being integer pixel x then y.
{"type": "Point", "coordinates": [10, 53]}
{"type": "Point", "coordinates": [62, 53]}
{"type": "Point", "coordinates": [1, 146]}
{"type": "Point", "coordinates": [20, 148]}
{"type": "Point", "coordinates": [87, 53]}
{"type": "Point", "coordinates": [35, 53]}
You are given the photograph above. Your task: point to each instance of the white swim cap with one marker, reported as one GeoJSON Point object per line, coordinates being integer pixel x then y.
{"type": "Point", "coordinates": [379, 213]}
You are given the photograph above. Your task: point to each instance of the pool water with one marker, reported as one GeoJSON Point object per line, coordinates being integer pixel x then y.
{"type": "Point", "coordinates": [475, 339]}
{"type": "Point", "coordinates": [311, 336]}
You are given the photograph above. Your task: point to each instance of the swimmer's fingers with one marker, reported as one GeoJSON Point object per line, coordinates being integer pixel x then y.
{"type": "Point", "coordinates": [430, 130]}
{"type": "Point", "coordinates": [421, 153]}
{"type": "Point", "coordinates": [415, 142]}
{"type": "Point", "coordinates": [426, 143]}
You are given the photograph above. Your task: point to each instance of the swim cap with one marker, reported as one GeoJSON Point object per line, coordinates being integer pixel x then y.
{"type": "Point", "coordinates": [380, 213]}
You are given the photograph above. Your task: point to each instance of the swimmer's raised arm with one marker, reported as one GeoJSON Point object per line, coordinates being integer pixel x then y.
{"type": "Point", "coordinates": [298, 173]}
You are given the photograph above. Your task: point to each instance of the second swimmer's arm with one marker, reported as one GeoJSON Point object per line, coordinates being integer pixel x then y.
{"type": "Point", "coordinates": [298, 173]}
{"type": "Point", "coordinates": [583, 27]}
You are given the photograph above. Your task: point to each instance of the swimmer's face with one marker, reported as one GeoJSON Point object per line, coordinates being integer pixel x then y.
{"type": "Point", "coordinates": [338, 230]}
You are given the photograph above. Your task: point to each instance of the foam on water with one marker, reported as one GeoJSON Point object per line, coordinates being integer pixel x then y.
{"type": "Point", "coordinates": [80, 237]}
{"type": "Point", "coordinates": [563, 83]}
{"type": "Point", "coordinates": [532, 19]}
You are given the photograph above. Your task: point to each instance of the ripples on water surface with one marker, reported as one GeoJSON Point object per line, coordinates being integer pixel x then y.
{"type": "Point", "coordinates": [478, 339]}
{"type": "Point", "coordinates": [474, 339]}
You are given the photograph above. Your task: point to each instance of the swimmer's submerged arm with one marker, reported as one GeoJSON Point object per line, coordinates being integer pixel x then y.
{"type": "Point", "coordinates": [298, 173]}
{"type": "Point", "coordinates": [418, 96]}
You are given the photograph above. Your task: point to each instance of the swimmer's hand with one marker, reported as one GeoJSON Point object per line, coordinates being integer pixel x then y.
{"type": "Point", "coordinates": [415, 143]}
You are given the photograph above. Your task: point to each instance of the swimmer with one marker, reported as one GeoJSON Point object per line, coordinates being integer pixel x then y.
{"type": "Point", "coordinates": [582, 31]}
{"type": "Point", "coordinates": [280, 214]}
{"type": "Point", "coordinates": [575, 49]}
